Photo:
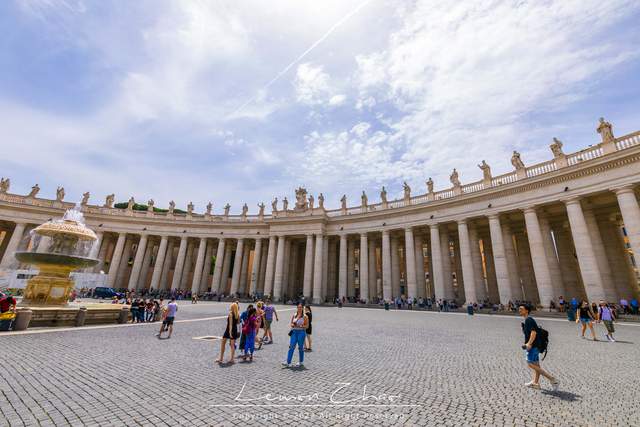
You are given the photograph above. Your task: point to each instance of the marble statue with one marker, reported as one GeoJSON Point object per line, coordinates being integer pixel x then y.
{"type": "Point", "coordinates": [364, 199]}
{"type": "Point", "coordinates": [130, 204]}
{"type": "Point", "coordinates": [430, 185]}
{"type": "Point", "coordinates": [311, 201]}
{"type": "Point", "coordinates": [407, 190]}
{"type": "Point", "coordinates": [34, 191]}
{"type": "Point", "coordinates": [5, 183]}
{"type": "Point", "coordinates": [454, 178]}
{"type": "Point", "coordinates": [274, 205]}
{"type": "Point", "coordinates": [261, 211]}
{"type": "Point", "coordinates": [285, 204]}
{"type": "Point", "coordinates": [486, 171]}
{"type": "Point", "coordinates": [245, 209]}
{"type": "Point", "coordinates": [343, 201]}
{"type": "Point", "coordinates": [226, 209]}
{"type": "Point", "coordinates": [209, 208]}
{"type": "Point", "coordinates": [150, 204]}
{"type": "Point", "coordinates": [108, 201]}
{"type": "Point", "coordinates": [172, 207]}
{"type": "Point", "coordinates": [605, 130]}
{"type": "Point", "coordinates": [85, 198]}
{"type": "Point", "coordinates": [60, 194]}
{"type": "Point", "coordinates": [383, 195]}
{"type": "Point", "coordinates": [516, 161]}
{"type": "Point", "coordinates": [190, 208]}
{"type": "Point", "coordinates": [301, 198]}
{"type": "Point", "coordinates": [321, 201]}
{"type": "Point", "coordinates": [556, 147]}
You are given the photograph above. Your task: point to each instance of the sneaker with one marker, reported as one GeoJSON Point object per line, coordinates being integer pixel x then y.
{"type": "Point", "coordinates": [286, 365]}
{"type": "Point", "coordinates": [531, 384]}
{"type": "Point", "coordinates": [298, 365]}
{"type": "Point", "coordinates": [612, 339]}
{"type": "Point", "coordinates": [607, 337]}
{"type": "Point", "coordinates": [555, 384]}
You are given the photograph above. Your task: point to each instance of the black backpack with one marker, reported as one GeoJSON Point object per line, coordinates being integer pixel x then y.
{"type": "Point", "coordinates": [542, 341]}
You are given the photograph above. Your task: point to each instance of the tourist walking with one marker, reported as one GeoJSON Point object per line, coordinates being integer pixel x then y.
{"type": "Point", "coordinates": [607, 316]}
{"type": "Point", "coordinates": [585, 316]}
{"type": "Point", "coordinates": [244, 317]}
{"type": "Point", "coordinates": [307, 311]}
{"type": "Point", "coordinates": [170, 315]}
{"type": "Point", "coordinates": [269, 313]}
{"type": "Point", "coordinates": [230, 333]}
{"type": "Point", "coordinates": [532, 343]}
{"type": "Point", "coordinates": [249, 330]}
{"type": "Point", "coordinates": [261, 323]}
{"type": "Point", "coordinates": [298, 324]}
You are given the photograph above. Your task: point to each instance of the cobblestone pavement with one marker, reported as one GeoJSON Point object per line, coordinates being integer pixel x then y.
{"type": "Point", "coordinates": [427, 368]}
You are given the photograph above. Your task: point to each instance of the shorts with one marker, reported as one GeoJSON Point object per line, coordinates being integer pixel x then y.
{"type": "Point", "coordinates": [168, 321]}
{"type": "Point", "coordinates": [533, 355]}
{"type": "Point", "coordinates": [585, 321]}
{"type": "Point", "coordinates": [609, 325]}
{"type": "Point", "coordinates": [267, 325]}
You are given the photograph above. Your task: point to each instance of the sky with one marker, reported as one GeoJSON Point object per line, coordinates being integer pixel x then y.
{"type": "Point", "coordinates": [243, 101]}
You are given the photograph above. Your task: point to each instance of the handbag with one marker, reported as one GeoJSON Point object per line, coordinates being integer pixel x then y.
{"type": "Point", "coordinates": [290, 332]}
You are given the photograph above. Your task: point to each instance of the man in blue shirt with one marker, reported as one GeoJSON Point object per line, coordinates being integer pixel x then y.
{"type": "Point", "coordinates": [530, 330]}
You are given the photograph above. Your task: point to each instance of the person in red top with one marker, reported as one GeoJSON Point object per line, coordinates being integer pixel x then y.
{"type": "Point", "coordinates": [7, 302]}
{"type": "Point", "coordinates": [250, 329]}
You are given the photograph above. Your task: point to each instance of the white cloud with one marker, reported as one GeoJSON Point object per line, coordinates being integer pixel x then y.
{"type": "Point", "coordinates": [336, 100]}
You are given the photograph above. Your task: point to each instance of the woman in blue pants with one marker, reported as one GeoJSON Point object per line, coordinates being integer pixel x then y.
{"type": "Point", "coordinates": [299, 323]}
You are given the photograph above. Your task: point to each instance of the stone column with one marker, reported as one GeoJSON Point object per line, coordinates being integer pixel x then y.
{"type": "Point", "coordinates": [325, 266]}
{"type": "Point", "coordinates": [102, 254]}
{"type": "Point", "coordinates": [294, 249]}
{"type": "Point", "coordinates": [512, 263]}
{"type": "Point", "coordinates": [446, 264]}
{"type": "Point", "coordinates": [271, 259]}
{"type": "Point", "coordinates": [217, 267]}
{"type": "Point", "coordinates": [436, 274]}
{"type": "Point", "coordinates": [527, 273]}
{"type": "Point", "coordinates": [255, 267]}
{"type": "Point", "coordinates": [386, 266]}
{"type": "Point", "coordinates": [420, 280]}
{"type": "Point", "coordinates": [468, 271]}
{"type": "Point", "coordinates": [244, 272]}
{"type": "Point", "coordinates": [124, 263]}
{"type": "Point", "coordinates": [631, 217]}
{"type": "Point", "coordinates": [539, 258]}
{"type": "Point", "coordinates": [224, 278]}
{"type": "Point", "coordinates": [168, 261]}
{"type": "Point", "coordinates": [206, 268]}
{"type": "Point", "coordinates": [146, 264]}
{"type": "Point", "coordinates": [587, 260]}
{"type": "Point", "coordinates": [137, 262]}
{"type": "Point", "coordinates": [95, 249]}
{"type": "Point", "coordinates": [342, 269]}
{"type": "Point", "coordinates": [177, 271]}
{"type": "Point", "coordinates": [567, 262]}
{"type": "Point", "coordinates": [503, 277]}
{"type": "Point", "coordinates": [317, 270]}
{"type": "Point", "coordinates": [552, 260]}
{"type": "Point", "coordinates": [197, 271]}
{"type": "Point", "coordinates": [188, 264]}
{"type": "Point", "coordinates": [160, 259]}
{"type": "Point", "coordinates": [373, 270]}
{"type": "Point", "coordinates": [115, 260]}
{"type": "Point", "coordinates": [395, 268]}
{"type": "Point", "coordinates": [492, 282]}
{"type": "Point", "coordinates": [476, 261]}
{"type": "Point", "coordinates": [616, 257]}
{"type": "Point", "coordinates": [308, 268]}
{"type": "Point", "coordinates": [237, 267]}
{"type": "Point", "coordinates": [14, 242]}
{"type": "Point", "coordinates": [332, 272]}
{"type": "Point", "coordinates": [277, 277]}
{"type": "Point", "coordinates": [351, 261]}
{"type": "Point", "coordinates": [364, 267]}
{"type": "Point", "coordinates": [410, 260]}
{"type": "Point", "coordinates": [263, 269]}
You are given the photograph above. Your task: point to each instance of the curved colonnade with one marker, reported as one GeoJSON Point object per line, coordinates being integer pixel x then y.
{"type": "Point", "coordinates": [569, 227]}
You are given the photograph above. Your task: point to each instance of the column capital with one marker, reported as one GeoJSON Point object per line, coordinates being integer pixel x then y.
{"type": "Point", "coordinates": [572, 200]}
{"type": "Point", "coordinates": [364, 234]}
{"type": "Point", "coordinates": [530, 209]}
{"type": "Point", "coordinates": [625, 189]}
{"type": "Point", "coordinates": [462, 221]}
{"type": "Point", "coordinates": [433, 226]}
{"type": "Point", "coordinates": [493, 216]}
{"type": "Point", "coordinates": [385, 232]}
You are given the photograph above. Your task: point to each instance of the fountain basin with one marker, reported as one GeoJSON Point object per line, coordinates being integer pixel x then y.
{"type": "Point", "coordinates": [70, 262]}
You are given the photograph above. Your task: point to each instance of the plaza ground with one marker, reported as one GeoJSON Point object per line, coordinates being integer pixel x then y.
{"type": "Point", "coordinates": [426, 368]}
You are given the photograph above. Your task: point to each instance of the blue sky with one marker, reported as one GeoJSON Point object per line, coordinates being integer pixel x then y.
{"type": "Point", "coordinates": [244, 101]}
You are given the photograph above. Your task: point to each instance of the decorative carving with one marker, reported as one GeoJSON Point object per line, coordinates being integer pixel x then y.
{"type": "Point", "coordinates": [261, 210]}
{"type": "Point", "coordinates": [486, 171]}
{"type": "Point", "coordinates": [343, 202]}
{"type": "Point", "coordinates": [190, 208]}
{"type": "Point", "coordinates": [150, 204]}
{"type": "Point", "coordinates": [311, 201]}
{"type": "Point", "coordinates": [321, 201]}
{"type": "Point", "coordinates": [407, 190]}
{"type": "Point", "coordinates": [274, 205]}
{"type": "Point", "coordinates": [172, 207]}
{"type": "Point", "coordinates": [5, 183]}
{"type": "Point", "coordinates": [301, 198]}
{"type": "Point", "coordinates": [454, 178]}
{"type": "Point", "coordinates": [34, 191]}
{"type": "Point", "coordinates": [130, 204]}
{"type": "Point", "coordinates": [245, 209]}
{"type": "Point", "coordinates": [556, 147]}
{"type": "Point", "coordinates": [209, 208]}
{"type": "Point", "coordinates": [285, 204]}
{"type": "Point", "coordinates": [60, 194]}
{"type": "Point", "coordinates": [383, 195]}
{"type": "Point", "coordinates": [108, 201]}
{"type": "Point", "coordinates": [430, 185]}
{"type": "Point", "coordinates": [605, 130]}
{"type": "Point", "coordinates": [85, 198]}
{"type": "Point", "coordinates": [226, 209]}
{"type": "Point", "coordinates": [516, 161]}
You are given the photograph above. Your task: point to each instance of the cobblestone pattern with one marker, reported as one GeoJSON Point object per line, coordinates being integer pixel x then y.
{"type": "Point", "coordinates": [457, 370]}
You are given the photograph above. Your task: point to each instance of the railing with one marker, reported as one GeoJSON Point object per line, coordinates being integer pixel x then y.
{"type": "Point", "coordinates": [590, 153]}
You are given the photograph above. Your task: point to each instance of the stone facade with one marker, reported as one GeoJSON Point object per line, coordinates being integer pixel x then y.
{"type": "Point", "coordinates": [562, 227]}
